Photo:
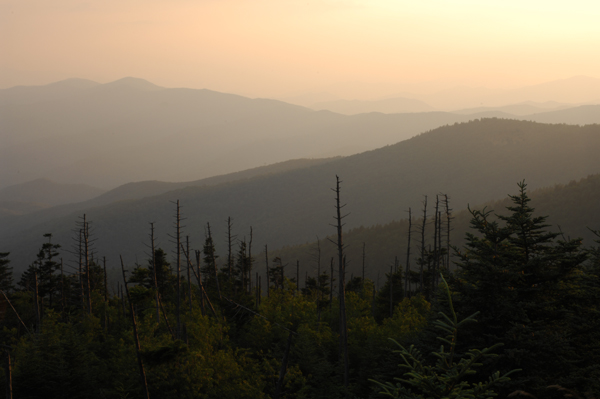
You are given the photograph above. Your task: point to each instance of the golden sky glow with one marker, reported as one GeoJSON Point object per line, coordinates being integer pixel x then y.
{"type": "Point", "coordinates": [287, 47]}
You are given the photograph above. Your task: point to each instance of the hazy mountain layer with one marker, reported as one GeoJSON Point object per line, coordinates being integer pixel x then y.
{"type": "Point", "coordinates": [521, 109]}
{"type": "Point", "coordinates": [43, 193]}
{"type": "Point", "coordinates": [131, 130]}
{"type": "Point", "coordinates": [387, 106]}
{"type": "Point", "coordinates": [472, 162]}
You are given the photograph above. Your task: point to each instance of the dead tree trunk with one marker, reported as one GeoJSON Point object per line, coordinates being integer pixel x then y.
{"type": "Point", "coordinates": [62, 287]}
{"type": "Point", "coordinates": [407, 273]}
{"type": "Point", "coordinates": [391, 285]}
{"type": "Point", "coordinates": [364, 257]}
{"type": "Point", "coordinates": [199, 277]}
{"type": "Point", "coordinates": [214, 262]}
{"type": "Point", "coordinates": [82, 290]}
{"type": "Point", "coordinates": [421, 282]}
{"type": "Point", "coordinates": [435, 247]}
{"type": "Point", "coordinates": [154, 272]}
{"type": "Point", "coordinates": [189, 267]}
{"type": "Point", "coordinates": [36, 305]}
{"type": "Point", "coordinates": [200, 285]}
{"type": "Point", "coordinates": [229, 252]}
{"type": "Point", "coordinates": [178, 239]}
{"type": "Point", "coordinates": [105, 294]}
{"type": "Point", "coordinates": [448, 219]}
{"type": "Point", "coordinates": [342, 289]}
{"type": "Point", "coordinates": [135, 336]}
{"type": "Point", "coordinates": [250, 261]}
{"type": "Point", "coordinates": [297, 275]}
{"type": "Point", "coordinates": [267, 264]}
{"type": "Point", "coordinates": [86, 241]}
{"type": "Point", "coordinates": [331, 283]}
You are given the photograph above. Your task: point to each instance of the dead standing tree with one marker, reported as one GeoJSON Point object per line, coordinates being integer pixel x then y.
{"type": "Point", "coordinates": [154, 272]}
{"type": "Point", "coordinates": [421, 280]}
{"type": "Point", "coordinates": [209, 251]}
{"type": "Point", "coordinates": [407, 273]}
{"type": "Point", "coordinates": [177, 242]}
{"type": "Point", "coordinates": [136, 336]}
{"type": "Point", "coordinates": [449, 218]}
{"type": "Point", "coordinates": [342, 291]}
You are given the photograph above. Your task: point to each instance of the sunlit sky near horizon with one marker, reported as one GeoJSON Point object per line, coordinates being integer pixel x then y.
{"type": "Point", "coordinates": [276, 48]}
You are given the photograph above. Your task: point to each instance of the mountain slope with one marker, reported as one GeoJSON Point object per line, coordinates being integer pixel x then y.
{"type": "Point", "coordinates": [472, 162]}
{"type": "Point", "coordinates": [43, 193]}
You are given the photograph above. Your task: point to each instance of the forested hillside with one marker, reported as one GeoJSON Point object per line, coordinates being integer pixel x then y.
{"type": "Point", "coordinates": [196, 327]}
{"type": "Point", "coordinates": [471, 162]}
{"type": "Point", "coordinates": [572, 210]}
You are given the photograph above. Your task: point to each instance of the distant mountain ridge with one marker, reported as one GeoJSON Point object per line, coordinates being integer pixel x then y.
{"type": "Point", "coordinates": [105, 135]}
{"type": "Point", "coordinates": [49, 193]}
{"type": "Point", "coordinates": [131, 130]}
{"type": "Point", "coordinates": [387, 106]}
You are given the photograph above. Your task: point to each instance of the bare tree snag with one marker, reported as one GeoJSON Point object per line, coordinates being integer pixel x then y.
{"type": "Point", "coordinates": [229, 250]}
{"type": "Point", "coordinates": [250, 261]}
{"type": "Point", "coordinates": [178, 239]}
{"type": "Point", "coordinates": [135, 336]}
{"type": "Point", "coordinates": [436, 233]}
{"type": "Point", "coordinates": [36, 305]}
{"type": "Point", "coordinates": [407, 273]}
{"type": "Point", "coordinates": [62, 287]}
{"type": "Point", "coordinates": [154, 272]}
{"type": "Point", "coordinates": [267, 264]}
{"type": "Point", "coordinates": [297, 275]}
{"type": "Point", "coordinates": [86, 241]}
{"type": "Point", "coordinates": [189, 268]}
{"type": "Point", "coordinates": [82, 290]}
{"type": "Point", "coordinates": [342, 289]}
{"type": "Point", "coordinates": [364, 257]}
{"type": "Point", "coordinates": [448, 229]}
{"type": "Point", "coordinates": [331, 282]}
{"type": "Point", "coordinates": [423, 245]}
{"type": "Point", "coordinates": [200, 285]}
{"type": "Point", "coordinates": [105, 294]}
{"type": "Point", "coordinates": [214, 262]}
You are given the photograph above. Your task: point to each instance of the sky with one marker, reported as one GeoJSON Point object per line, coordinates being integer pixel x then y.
{"type": "Point", "coordinates": [279, 48]}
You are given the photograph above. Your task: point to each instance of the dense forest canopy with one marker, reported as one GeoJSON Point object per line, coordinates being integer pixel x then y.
{"type": "Point", "coordinates": [206, 325]}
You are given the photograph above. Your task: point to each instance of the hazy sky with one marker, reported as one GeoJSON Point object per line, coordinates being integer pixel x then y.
{"type": "Point", "coordinates": [287, 47]}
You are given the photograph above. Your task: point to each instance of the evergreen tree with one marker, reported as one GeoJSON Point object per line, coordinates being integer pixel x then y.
{"type": "Point", "coordinates": [519, 276]}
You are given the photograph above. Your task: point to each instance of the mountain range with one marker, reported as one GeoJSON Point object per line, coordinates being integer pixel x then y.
{"type": "Point", "coordinates": [472, 162]}
{"type": "Point", "coordinates": [106, 135]}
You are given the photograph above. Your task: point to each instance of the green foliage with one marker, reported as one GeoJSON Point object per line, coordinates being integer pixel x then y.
{"type": "Point", "coordinates": [451, 374]}
{"type": "Point", "coordinates": [524, 280]}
